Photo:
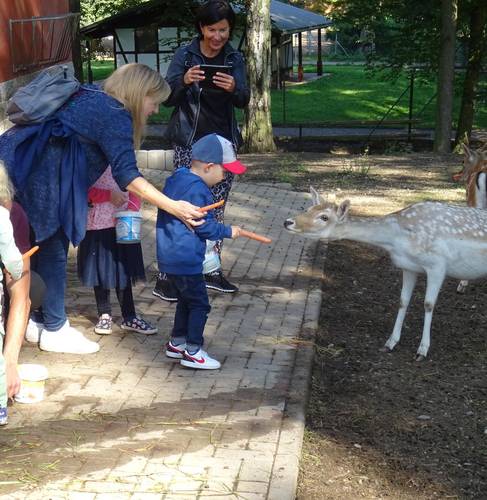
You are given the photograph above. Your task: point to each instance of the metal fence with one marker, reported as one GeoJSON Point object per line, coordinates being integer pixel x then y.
{"type": "Point", "coordinates": [38, 41]}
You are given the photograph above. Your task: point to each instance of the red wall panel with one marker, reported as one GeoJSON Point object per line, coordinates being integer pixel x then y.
{"type": "Point", "coordinates": [22, 9]}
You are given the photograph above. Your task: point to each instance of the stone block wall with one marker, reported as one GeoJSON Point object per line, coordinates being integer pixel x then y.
{"type": "Point", "coordinates": [156, 159]}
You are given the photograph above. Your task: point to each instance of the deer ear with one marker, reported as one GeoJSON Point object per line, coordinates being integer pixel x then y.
{"type": "Point", "coordinates": [315, 196]}
{"type": "Point", "coordinates": [342, 211]}
{"type": "Point", "coordinates": [466, 149]}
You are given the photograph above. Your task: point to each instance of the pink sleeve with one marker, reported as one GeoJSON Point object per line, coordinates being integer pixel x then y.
{"type": "Point", "coordinates": [134, 202]}
{"type": "Point", "coordinates": [97, 195]}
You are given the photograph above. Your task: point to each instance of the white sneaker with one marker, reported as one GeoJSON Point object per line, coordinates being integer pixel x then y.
{"type": "Point", "coordinates": [68, 340]}
{"type": "Point", "coordinates": [33, 331]}
{"type": "Point", "coordinates": [200, 360]}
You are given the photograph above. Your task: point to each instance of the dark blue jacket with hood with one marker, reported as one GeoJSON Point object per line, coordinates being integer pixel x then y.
{"type": "Point", "coordinates": [180, 250]}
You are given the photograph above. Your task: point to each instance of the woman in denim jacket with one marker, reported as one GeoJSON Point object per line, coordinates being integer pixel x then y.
{"type": "Point", "coordinates": [53, 164]}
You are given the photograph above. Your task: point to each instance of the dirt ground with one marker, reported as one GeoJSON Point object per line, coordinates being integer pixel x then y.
{"type": "Point", "coordinates": [381, 425]}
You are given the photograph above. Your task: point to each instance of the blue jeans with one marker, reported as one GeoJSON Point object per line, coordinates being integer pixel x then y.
{"type": "Point", "coordinates": [192, 309]}
{"type": "Point", "coordinates": [50, 263]}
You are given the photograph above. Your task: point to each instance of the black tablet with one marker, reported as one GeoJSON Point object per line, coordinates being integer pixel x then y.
{"type": "Point", "coordinates": [210, 71]}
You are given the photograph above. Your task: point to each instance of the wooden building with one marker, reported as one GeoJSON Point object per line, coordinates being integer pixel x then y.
{"type": "Point", "coordinates": [150, 32]}
{"type": "Point", "coordinates": [34, 34]}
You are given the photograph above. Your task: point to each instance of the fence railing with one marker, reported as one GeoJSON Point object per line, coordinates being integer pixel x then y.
{"type": "Point", "coordinates": [38, 41]}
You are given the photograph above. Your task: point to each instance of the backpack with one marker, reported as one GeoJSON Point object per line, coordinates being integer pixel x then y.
{"type": "Point", "coordinates": [41, 97]}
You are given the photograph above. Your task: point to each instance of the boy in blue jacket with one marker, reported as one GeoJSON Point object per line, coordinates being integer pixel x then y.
{"type": "Point", "coordinates": [181, 250]}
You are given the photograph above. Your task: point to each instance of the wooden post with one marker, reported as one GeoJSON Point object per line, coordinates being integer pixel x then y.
{"type": "Point", "coordinates": [319, 62]}
{"type": "Point", "coordinates": [114, 50]}
{"type": "Point", "coordinates": [411, 102]}
{"type": "Point", "coordinates": [283, 101]}
{"type": "Point", "coordinates": [300, 58]}
{"type": "Point", "coordinates": [278, 63]}
{"type": "Point", "coordinates": [90, 71]}
{"type": "Point", "coordinates": [74, 8]}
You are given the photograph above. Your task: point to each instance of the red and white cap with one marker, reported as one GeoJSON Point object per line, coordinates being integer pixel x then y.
{"type": "Point", "coordinates": [213, 148]}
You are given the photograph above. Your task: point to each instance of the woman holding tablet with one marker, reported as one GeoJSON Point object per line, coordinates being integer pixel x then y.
{"type": "Point", "coordinates": [207, 79]}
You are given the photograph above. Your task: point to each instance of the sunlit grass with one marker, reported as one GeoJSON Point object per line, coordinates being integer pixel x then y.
{"type": "Point", "coordinates": [100, 69]}
{"type": "Point", "coordinates": [345, 93]}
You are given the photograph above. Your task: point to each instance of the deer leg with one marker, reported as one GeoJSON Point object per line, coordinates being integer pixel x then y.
{"type": "Point", "coordinates": [434, 280]}
{"type": "Point", "coordinates": [462, 286]}
{"type": "Point", "coordinates": [408, 284]}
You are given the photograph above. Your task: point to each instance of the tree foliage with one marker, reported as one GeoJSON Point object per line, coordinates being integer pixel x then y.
{"type": "Point", "coordinates": [409, 33]}
{"type": "Point", "coordinates": [94, 10]}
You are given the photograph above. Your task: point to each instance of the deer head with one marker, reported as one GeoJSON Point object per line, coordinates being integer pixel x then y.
{"type": "Point", "coordinates": [471, 159]}
{"type": "Point", "coordinates": [320, 220]}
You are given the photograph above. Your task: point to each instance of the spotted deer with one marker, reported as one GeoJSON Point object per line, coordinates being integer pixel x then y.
{"type": "Point", "coordinates": [436, 239]}
{"type": "Point", "coordinates": [474, 173]}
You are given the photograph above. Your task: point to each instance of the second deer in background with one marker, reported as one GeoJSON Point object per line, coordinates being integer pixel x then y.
{"type": "Point", "coordinates": [474, 173]}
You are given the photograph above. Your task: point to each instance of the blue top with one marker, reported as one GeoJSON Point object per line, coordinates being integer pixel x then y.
{"type": "Point", "coordinates": [91, 127]}
{"type": "Point", "coordinates": [180, 250]}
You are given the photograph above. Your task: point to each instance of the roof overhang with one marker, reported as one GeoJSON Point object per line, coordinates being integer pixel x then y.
{"type": "Point", "coordinates": [285, 18]}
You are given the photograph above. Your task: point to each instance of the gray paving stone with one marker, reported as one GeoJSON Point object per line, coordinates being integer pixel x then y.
{"type": "Point", "coordinates": [129, 423]}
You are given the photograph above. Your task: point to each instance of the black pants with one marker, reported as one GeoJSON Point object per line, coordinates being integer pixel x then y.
{"type": "Point", "coordinates": [125, 299]}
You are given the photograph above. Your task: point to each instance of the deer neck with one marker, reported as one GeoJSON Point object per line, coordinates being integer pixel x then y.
{"type": "Point", "coordinates": [377, 231]}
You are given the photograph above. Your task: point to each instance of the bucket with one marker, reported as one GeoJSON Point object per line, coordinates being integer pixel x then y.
{"type": "Point", "coordinates": [127, 227]}
{"type": "Point", "coordinates": [33, 378]}
{"type": "Point", "coordinates": [212, 259]}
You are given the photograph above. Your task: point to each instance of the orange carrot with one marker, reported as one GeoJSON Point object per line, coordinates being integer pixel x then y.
{"type": "Point", "coordinates": [254, 236]}
{"type": "Point", "coordinates": [30, 252]}
{"type": "Point", "coordinates": [210, 207]}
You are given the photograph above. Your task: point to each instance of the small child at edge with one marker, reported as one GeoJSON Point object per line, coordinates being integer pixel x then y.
{"type": "Point", "coordinates": [181, 251]}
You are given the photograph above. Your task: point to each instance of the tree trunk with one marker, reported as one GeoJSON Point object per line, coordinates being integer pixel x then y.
{"type": "Point", "coordinates": [446, 71]}
{"type": "Point", "coordinates": [258, 136]}
{"type": "Point", "coordinates": [477, 45]}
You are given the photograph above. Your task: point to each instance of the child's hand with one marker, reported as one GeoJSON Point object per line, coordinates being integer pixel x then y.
{"type": "Point", "coordinates": [117, 198]}
{"type": "Point", "coordinates": [236, 232]}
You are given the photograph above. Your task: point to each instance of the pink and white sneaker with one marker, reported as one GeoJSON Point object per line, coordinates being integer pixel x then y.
{"type": "Point", "coordinates": [175, 351]}
{"type": "Point", "coordinates": [199, 360]}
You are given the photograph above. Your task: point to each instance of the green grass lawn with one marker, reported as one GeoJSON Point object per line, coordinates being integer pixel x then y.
{"type": "Point", "coordinates": [345, 93]}
{"type": "Point", "coordinates": [101, 69]}
{"type": "Point", "coordinates": [351, 93]}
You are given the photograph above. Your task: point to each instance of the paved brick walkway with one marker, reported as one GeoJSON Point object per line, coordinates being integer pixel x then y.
{"type": "Point", "coordinates": [128, 423]}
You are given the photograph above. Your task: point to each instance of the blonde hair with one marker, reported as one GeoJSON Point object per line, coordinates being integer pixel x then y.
{"type": "Point", "coordinates": [130, 84]}
{"type": "Point", "coordinates": [7, 190]}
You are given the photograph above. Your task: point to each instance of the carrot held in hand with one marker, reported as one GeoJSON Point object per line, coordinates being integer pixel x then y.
{"type": "Point", "coordinates": [254, 236]}
{"type": "Point", "coordinates": [30, 252]}
{"type": "Point", "coordinates": [210, 207]}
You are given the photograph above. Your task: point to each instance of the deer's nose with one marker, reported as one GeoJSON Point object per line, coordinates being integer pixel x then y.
{"type": "Point", "coordinates": [288, 222]}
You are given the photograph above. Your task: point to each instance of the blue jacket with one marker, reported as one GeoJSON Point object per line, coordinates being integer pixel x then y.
{"type": "Point", "coordinates": [53, 164]}
{"type": "Point", "coordinates": [180, 250]}
{"type": "Point", "coordinates": [186, 98]}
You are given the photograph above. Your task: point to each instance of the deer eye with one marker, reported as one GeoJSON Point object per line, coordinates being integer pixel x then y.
{"type": "Point", "coordinates": [324, 218]}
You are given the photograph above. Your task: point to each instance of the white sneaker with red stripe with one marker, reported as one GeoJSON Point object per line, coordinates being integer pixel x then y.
{"type": "Point", "coordinates": [199, 360]}
{"type": "Point", "coordinates": [175, 351]}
